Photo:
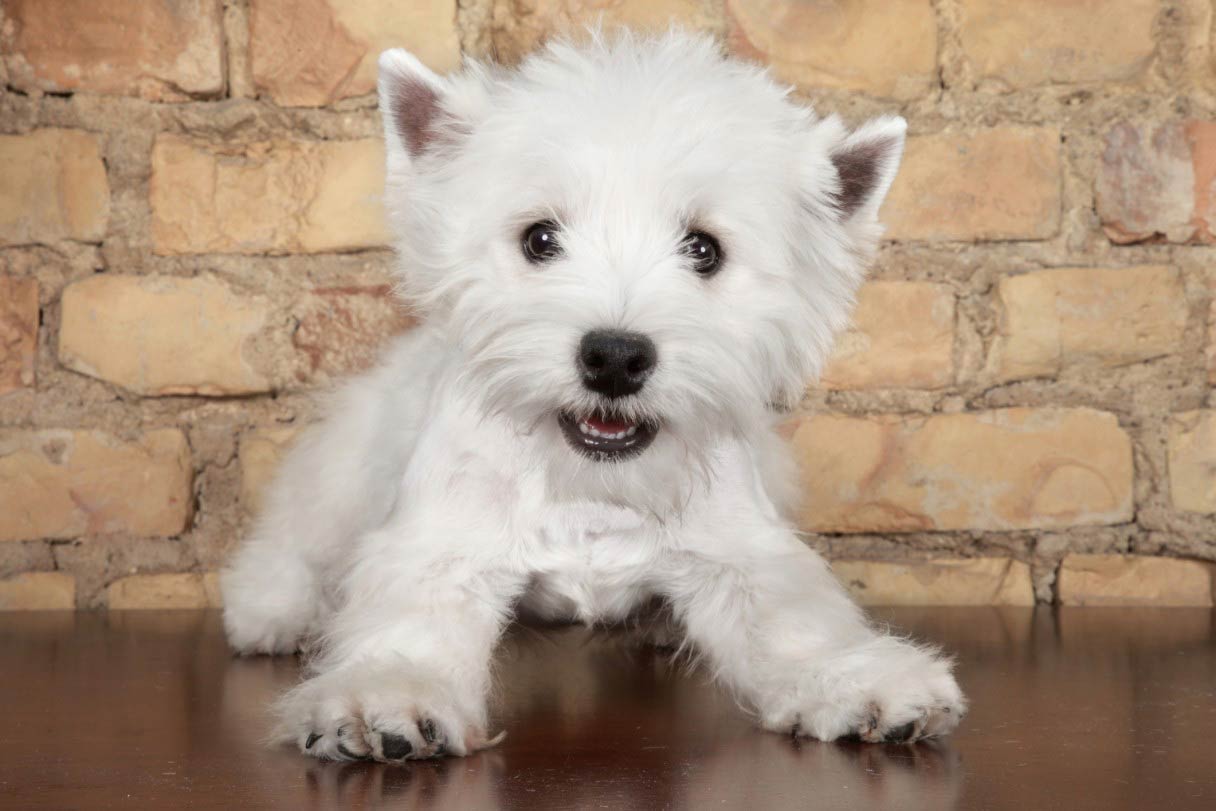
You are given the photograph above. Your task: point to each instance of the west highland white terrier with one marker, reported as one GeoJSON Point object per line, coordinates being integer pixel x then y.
{"type": "Point", "coordinates": [628, 255]}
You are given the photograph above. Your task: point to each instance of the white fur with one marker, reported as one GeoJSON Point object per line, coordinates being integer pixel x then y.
{"type": "Point", "coordinates": [440, 496]}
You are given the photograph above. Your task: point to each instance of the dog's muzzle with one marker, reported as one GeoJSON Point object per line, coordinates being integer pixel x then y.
{"type": "Point", "coordinates": [606, 438]}
{"type": "Point", "coordinates": [614, 364]}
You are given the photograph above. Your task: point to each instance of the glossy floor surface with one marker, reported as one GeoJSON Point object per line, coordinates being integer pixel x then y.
{"type": "Point", "coordinates": [1076, 709]}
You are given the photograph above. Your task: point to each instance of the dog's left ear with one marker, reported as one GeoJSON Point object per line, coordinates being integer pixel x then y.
{"type": "Point", "coordinates": [866, 161]}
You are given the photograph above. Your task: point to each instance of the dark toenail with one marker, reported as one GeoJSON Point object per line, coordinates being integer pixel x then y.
{"type": "Point", "coordinates": [342, 750]}
{"type": "Point", "coordinates": [901, 734]}
{"type": "Point", "coordinates": [313, 738]}
{"type": "Point", "coordinates": [395, 746]}
{"type": "Point", "coordinates": [429, 732]}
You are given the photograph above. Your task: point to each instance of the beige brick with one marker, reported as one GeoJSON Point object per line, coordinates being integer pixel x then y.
{"type": "Point", "coordinates": [1192, 461]}
{"type": "Point", "coordinates": [161, 335]}
{"type": "Point", "coordinates": [1157, 181]}
{"type": "Point", "coordinates": [1145, 183]}
{"type": "Point", "coordinates": [163, 50]}
{"type": "Point", "coordinates": [260, 454]}
{"type": "Point", "coordinates": [520, 27]}
{"type": "Point", "coordinates": [1131, 580]}
{"type": "Point", "coordinates": [65, 484]}
{"type": "Point", "coordinates": [1211, 350]}
{"type": "Point", "coordinates": [311, 53]}
{"type": "Point", "coordinates": [1017, 468]}
{"type": "Point", "coordinates": [902, 336]}
{"type": "Point", "coordinates": [18, 332]}
{"type": "Point", "coordinates": [1038, 42]}
{"type": "Point", "coordinates": [54, 188]}
{"type": "Point", "coordinates": [274, 197]}
{"type": "Point", "coordinates": [886, 48]}
{"type": "Point", "coordinates": [164, 591]}
{"type": "Point", "coordinates": [949, 581]}
{"type": "Point", "coordinates": [342, 329]}
{"type": "Point", "coordinates": [1051, 320]}
{"type": "Point", "coordinates": [993, 184]}
{"type": "Point", "coordinates": [1210, 353]}
{"type": "Point", "coordinates": [38, 591]}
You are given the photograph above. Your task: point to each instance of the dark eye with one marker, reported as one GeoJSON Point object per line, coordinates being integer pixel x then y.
{"type": "Point", "coordinates": [540, 242]}
{"type": "Point", "coordinates": [704, 251]}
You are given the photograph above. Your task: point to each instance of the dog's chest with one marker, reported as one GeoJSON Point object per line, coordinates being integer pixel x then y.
{"type": "Point", "coordinates": [592, 561]}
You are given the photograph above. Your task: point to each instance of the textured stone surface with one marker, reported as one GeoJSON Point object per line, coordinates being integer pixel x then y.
{"type": "Point", "coordinates": [1192, 461]}
{"type": "Point", "coordinates": [1036, 42]}
{"type": "Point", "coordinates": [1155, 181]}
{"type": "Point", "coordinates": [164, 591]}
{"type": "Point", "coordinates": [18, 332]}
{"type": "Point", "coordinates": [38, 591]}
{"type": "Point", "coordinates": [519, 26]}
{"type": "Point", "coordinates": [315, 52]}
{"type": "Point", "coordinates": [260, 454]}
{"type": "Point", "coordinates": [54, 188]}
{"type": "Point", "coordinates": [902, 336]}
{"type": "Point", "coordinates": [65, 484]}
{"type": "Point", "coordinates": [275, 197]}
{"type": "Point", "coordinates": [1017, 468]}
{"type": "Point", "coordinates": [886, 48]}
{"type": "Point", "coordinates": [163, 50]}
{"type": "Point", "coordinates": [163, 335]}
{"type": "Point", "coordinates": [990, 184]}
{"type": "Point", "coordinates": [1051, 320]}
{"type": "Point", "coordinates": [1132, 580]}
{"type": "Point", "coordinates": [342, 329]}
{"type": "Point", "coordinates": [963, 581]}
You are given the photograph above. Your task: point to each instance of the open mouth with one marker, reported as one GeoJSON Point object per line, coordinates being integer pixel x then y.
{"type": "Point", "coordinates": [606, 437]}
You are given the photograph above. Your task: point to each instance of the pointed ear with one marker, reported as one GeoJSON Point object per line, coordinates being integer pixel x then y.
{"type": "Point", "coordinates": [866, 161]}
{"type": "Point", "coordinates": [411, 96]}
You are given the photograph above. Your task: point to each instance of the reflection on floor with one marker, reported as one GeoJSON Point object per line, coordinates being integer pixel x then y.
{"type": "Point", "coordinates": [1078, 708]}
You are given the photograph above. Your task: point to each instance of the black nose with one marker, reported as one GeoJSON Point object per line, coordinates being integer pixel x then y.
{"type": "Point", "coordinates": [616, 363]}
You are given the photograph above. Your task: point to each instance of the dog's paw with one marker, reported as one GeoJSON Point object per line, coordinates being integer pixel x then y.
{"type": "Point", "coordinates": [885, 690]}
{"type": "Point", "coordinates": [388, 714]}
{"type": "Point", "coordinates": [266, 619]}
{"type": "Point", "coordinates": [928, 721]}
{"type": "Point", "coordinates": [251, 635]}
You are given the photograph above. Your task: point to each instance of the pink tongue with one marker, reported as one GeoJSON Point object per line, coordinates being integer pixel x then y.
{"type": "Point", "coordinates": [607, 426]}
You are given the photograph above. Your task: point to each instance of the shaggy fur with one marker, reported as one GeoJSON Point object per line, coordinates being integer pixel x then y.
{"type": "Point", "coordinates": [441, 495]}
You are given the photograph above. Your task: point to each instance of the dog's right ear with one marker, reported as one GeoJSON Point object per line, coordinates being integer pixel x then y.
{"type": "Point", "coordinates": [411, 103]}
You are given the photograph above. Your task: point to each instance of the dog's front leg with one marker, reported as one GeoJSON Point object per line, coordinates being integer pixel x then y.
{"type": "Point", "coordinates": [404, 667]}
{"type": "Point", "coordinates": [776, 627]}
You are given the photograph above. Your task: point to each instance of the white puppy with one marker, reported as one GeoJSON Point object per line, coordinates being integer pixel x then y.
{"type": "Point", "coordinates": [625, 254]}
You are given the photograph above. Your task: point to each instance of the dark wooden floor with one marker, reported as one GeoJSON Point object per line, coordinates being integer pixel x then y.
{"type": "Point", "coordinates": [1080, 709]}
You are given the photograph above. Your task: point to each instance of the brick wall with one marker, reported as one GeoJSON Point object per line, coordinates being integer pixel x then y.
{"type": "Point", "coordinates": [191, 244]}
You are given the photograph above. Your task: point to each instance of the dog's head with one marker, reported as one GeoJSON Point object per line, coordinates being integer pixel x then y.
{"type": "Point", "coordinates": [634, 241]}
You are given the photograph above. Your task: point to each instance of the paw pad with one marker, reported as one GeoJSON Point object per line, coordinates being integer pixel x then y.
{"type": "Point", "coordinates": [395, 747]}
{"type": "Point", "coordinates": [901, 734]}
